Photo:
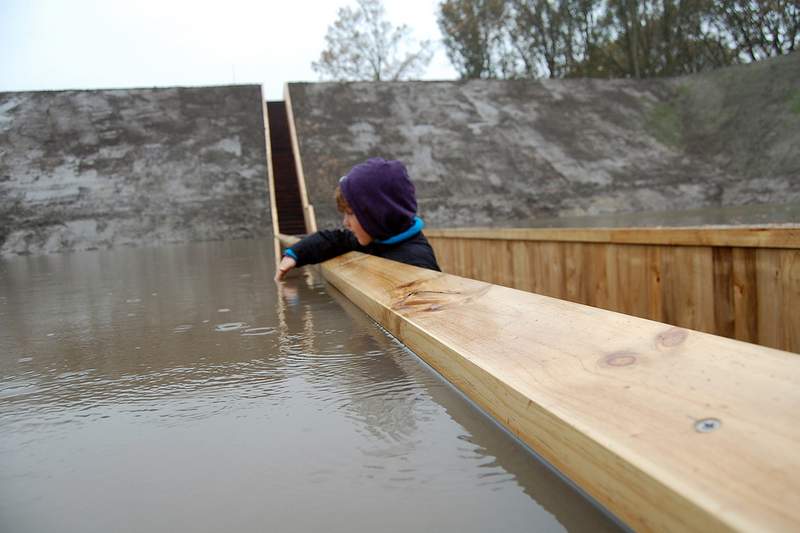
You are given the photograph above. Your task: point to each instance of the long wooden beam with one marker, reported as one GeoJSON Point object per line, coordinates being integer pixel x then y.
{"type": "Point", "coordinates": [672, 430]}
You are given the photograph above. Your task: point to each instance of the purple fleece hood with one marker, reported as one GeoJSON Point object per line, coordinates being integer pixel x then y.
{"type": "Point", "coordinates": [382, 197]}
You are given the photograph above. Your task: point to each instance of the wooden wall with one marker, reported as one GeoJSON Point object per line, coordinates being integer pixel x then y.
{"type": "Point", "coordinates": [738, 282]}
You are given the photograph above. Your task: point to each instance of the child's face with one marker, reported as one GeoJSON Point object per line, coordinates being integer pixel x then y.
{"type": "Point", "coordinates": [351, 223]}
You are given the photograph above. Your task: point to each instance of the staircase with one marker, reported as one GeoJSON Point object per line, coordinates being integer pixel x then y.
{"type": "Point", "coordinates": [287, 189]}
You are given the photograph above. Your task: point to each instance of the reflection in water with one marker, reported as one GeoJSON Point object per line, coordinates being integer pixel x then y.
{"type": "Point", "coordinates": [178, 388]}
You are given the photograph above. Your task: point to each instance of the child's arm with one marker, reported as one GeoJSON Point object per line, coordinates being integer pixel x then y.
{"type": "Point", "coordinates": [317, 248]}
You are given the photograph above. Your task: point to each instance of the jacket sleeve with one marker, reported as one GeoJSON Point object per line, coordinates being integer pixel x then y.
{"type": "Point", "coordinates": [323, 245]}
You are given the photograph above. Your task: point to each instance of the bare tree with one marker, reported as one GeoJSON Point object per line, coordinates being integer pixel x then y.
{"type": "Point", "coordinates": [613, 38]}
{"type": "Point", "coordinates": [538, 36]}
{"type": "Point", "coordinates": [558, 38]}
{"type": "Point", "coordinates": [666, 38]}
{"type": "Point", "coordinates": [761, 28]}
{"type": "Point", "coordinates": [362, 46]}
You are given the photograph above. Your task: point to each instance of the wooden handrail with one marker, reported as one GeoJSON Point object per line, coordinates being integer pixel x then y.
{"type": "Point", "coordinates": [670, 429]}
{"type": "Point", "coordinates": [286, 240]}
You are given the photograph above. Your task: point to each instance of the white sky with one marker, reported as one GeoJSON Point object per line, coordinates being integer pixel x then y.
{"type": "Point", "coordinates": [101, 44]}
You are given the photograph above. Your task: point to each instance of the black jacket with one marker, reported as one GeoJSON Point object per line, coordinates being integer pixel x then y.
{"type": "Point", "coordinates": [328, 244]}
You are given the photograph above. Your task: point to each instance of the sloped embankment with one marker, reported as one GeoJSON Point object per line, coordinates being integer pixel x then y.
{"type": "Point", "coordinates": [488, 152]}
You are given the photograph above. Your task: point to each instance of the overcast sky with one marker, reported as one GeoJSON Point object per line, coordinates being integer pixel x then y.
{"type": "Point", "coordinates": [100, 44]}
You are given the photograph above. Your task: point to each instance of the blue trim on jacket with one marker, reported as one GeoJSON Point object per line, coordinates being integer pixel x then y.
{"type": "Point", "coordinates": [410, 232]}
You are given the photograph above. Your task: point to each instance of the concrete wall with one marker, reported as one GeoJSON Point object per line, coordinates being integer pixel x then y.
{"type": "Point", "coordinates": [488, 152]}
{"type": "Point", "coordinates": [97, 169]}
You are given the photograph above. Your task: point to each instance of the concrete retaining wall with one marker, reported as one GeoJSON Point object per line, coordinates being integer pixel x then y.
{"type": "Point", "coordinates": [488, 152]}
{"type": "Point", "coordinates": [97, 169]}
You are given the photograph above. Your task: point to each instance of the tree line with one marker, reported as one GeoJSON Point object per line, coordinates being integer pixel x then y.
{"type": "Point", "coordinates": [613, 38]}
{"type": "Point", "coordinates": [509, 39]}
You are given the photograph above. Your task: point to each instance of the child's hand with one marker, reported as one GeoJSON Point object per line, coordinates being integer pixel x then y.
{"type": "Point", "coordinates": [287, 263]}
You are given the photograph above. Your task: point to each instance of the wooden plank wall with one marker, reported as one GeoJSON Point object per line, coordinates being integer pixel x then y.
{"type": "Point", "coordinates": [738, 282]}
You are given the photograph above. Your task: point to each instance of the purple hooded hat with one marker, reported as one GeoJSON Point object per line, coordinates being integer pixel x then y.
{"type": "Point", "coordinates": [382, 197]}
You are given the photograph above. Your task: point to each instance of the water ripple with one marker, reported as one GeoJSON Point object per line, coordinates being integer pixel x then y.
{"type": "Point", "coordinates": [177, 393]}
{"type": "Point", "coordinates": [230, 326]}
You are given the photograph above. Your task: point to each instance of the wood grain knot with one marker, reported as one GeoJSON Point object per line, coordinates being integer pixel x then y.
{"type": "Point", "coordinates": [425, 301]}
{"type": "Point", "coordinates": [672, 338]}
{"type": "Point", "coordinates": [433, 300]}
{"type": "Point", "coordinates": [620, 359]}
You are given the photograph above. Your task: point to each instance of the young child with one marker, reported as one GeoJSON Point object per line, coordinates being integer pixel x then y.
{"type": "Point", "coordinates": [379, 204]}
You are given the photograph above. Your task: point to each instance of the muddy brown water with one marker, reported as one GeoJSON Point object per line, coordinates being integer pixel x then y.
{"type": "Point", "coordinates": [178, 388]}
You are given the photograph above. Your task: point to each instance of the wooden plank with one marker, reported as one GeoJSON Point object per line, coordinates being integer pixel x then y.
{"type": "Point", "coordinates": [790, 283]}
{"type": "Point", "coordinates": [688, 288]}
{"type": "Point", "coordinates": [778, 274]}
{"type": "Point", "coordinates": [612, 401]}
{"type": "Point", "coordinates": [502, 263]}
{"type": "Point", "coordinates": [522, 270]}
{"type": "Point", "coordinates": [596, 261]}
{"type": "Point", "coordinates": [614, 292]}
{"type": "Point", "coordinates": [494, 255]}
{"type": "Point", "coordinates": [655, 284]}
{"type": "Point", "coordinates": [573, 285]}
{"type": "Point", "coordinates": [549, 264]}
{"type": "Point", "coordinates": [745, 236]}
{"type": "Point", "coordinates": [632, 285]}
{"type": "Point", "coordinates": [724, 299]}
{"type": "Point", "coordinates": [462, 263]}
{"type": "Point", "coordinates": [745, 294]}
{"type": "Point", "coordinates": [770, 297]}
{"type": "Point", "coordinates": [476, 259]}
